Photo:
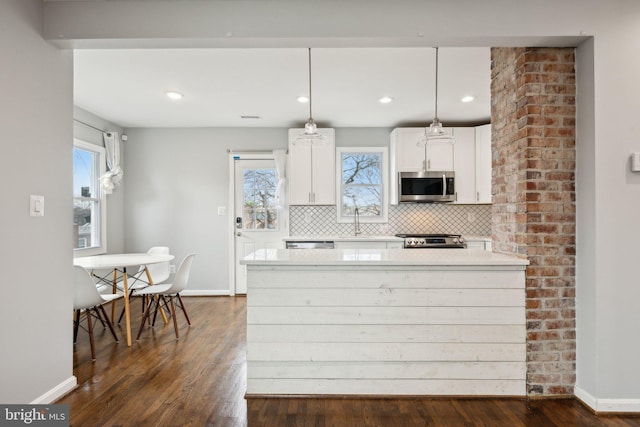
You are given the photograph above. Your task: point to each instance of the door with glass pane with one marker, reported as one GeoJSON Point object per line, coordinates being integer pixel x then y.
{"type": "Point", "coordinates": [259, 224]}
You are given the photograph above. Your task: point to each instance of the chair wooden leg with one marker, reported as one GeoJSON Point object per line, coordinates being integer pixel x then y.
{"type": "Point", "coordinates": [76, 325]}
{"type": "Point", "coordinates": [173, 314]}
{"type": "Point", "coordinates": [90, 327]}
{"type": "Point", "coordinates": [99, 315]}
{"type": "Point", "coordinates": [144, 318]}
{"type": "Point", "coordinates": [184, 310]}
{"type": "Point", "coordinates": [113, 332]}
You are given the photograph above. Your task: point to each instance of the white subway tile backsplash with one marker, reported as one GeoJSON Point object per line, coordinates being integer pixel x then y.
{"type": "Point", "coordinates": [405, 218]}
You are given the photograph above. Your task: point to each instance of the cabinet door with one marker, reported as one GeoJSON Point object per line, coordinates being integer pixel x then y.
{"type": "Point", "coordinates": [406, 154]}
{"type": "Point", "coordinates": [440, 154]}
{"type": "Point", "coordinates": [464, 164]}
{"type": "Point", "coordinates": [360, 245]}
{"type": "Point", "coordinates": [299, 171]}
{"type": "Point", "coordinates": [311, 176]}
{"type": "Point", "coordinates": [324, 171]}
{"type": "Point", "coordinates": [483, 164]}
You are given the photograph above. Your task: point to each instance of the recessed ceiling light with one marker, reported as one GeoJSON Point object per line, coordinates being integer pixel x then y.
{"type": "Point", "coordinates": [467, 98]}
{"type": "Point", "coordinates": [174, 95]}
{"type": "Point", "coordinates": [303, 99]}
{"type": "Point", "coordinates": [249, 117]}
{"type": "Point", "coordinates": [385, 100]}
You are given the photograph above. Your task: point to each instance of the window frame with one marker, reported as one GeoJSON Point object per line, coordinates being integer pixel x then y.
{"type": "Point", "coordinates": [102, 199]}
{"type": "Point", "coordinates": [384, 177]}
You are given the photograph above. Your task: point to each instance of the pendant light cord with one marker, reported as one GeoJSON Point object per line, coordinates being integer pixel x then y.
{"type": "Point", "coordinates": [310, 115]}
{"type": "Point", "coordinates": [436, 84]}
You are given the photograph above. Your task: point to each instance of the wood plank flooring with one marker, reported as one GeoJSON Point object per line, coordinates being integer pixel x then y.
{"type": "Point", "coordinates": [200, 380]}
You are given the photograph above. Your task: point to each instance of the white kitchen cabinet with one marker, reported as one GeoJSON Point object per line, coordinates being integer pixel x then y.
{"type": "Point", "coordinates": [311, 168]}
{"type": "Point", "coordinates": [464, 161]}
{"type": "Point", "coordinates": [406, 155]}
{"type": "Point", "coordinates": [411, 157]}
{"type": "Point", "coordinates": [483, 164]}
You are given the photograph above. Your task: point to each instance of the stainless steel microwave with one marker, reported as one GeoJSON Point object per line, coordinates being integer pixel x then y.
{"type": "Point", "coordinates": [426, 187]}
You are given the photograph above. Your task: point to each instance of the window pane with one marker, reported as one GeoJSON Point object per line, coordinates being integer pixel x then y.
{"type": "Point", "coordinates": [84, 173]}
{"type": "Point", "coordinates": [361, 168]}
{"type": "Point", "coordinates": [86, 227]}
{"type": "Point", "coordinates": [362, 184]}
{"type": "Point", "coordinates": [365, 197]}
{"type": "Point", "coordinates": [260, 212]}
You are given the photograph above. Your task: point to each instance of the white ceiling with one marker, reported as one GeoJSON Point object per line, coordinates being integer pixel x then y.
{"type": "Point", "coordinates": [128, 87]}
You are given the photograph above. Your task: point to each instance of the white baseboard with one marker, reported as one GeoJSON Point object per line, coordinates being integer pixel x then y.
{"type": "Point", "coordinates": [607, 405]}
{"type": "Point", "coordinates": [209, 293]}
{"type": "Point", "coordinates": [57, 392]}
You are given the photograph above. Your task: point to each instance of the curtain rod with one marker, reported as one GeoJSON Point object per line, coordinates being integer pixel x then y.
{"type": "Point", "coordinates": [88, 125]}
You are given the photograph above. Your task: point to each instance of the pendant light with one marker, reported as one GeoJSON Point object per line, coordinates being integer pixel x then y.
{"type": "Point", "coordinates": [310, 135]}
{"type": "Point", "coordinates": [435, 130]}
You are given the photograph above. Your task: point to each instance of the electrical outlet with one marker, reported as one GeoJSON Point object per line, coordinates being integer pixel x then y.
{"type": "Point", "coordinates": [308, 217]}
{"type": "Point", "coordinates": [471, 216]}
{"type": "Point", "coordinates": [172, 269]}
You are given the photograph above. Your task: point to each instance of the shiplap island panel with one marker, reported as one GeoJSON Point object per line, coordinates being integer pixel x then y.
{"type": "Point", "coordinates": [385, 322]}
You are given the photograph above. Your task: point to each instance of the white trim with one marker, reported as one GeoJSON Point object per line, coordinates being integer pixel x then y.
{"type": "Point", "coordinates": [607, 405]}
{"type": "Point", "coordinates": [102, 167]}
{"type": "Point", "coordinates": [241, 155]}
{"type": "Point", "coordinates": [57, 392]}
{"type": "Point", "coordinates": [232, 224]}
{"type": "Point", "coordinates": [203, 293]}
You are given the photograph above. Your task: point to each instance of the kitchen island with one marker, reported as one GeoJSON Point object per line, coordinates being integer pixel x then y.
{"type": "Point", "coordinates": [385, 322]}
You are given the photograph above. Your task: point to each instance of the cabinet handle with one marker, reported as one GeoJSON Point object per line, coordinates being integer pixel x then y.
{"type": "Point", "coordinates": [429, 164]}
{"type": "Point", "coordinates": [477, 196]}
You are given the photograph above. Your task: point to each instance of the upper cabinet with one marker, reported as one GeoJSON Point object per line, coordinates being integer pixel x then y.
{"type": "Point", "coordinates": [469, 158]}
{"type": "Point", "coordinates": [483, 164]}
{"type": "Point", "coordinates": [411, 156]}
{"type": "Point", "coordinates": [311, 170]}
{"type": "Point", "coordinates": [464, 159]}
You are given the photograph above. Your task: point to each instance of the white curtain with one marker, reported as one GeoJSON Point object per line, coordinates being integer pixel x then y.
{"type": "Point", "coordinates": [280, 158]}
{"type": "Point", "coordinates": [110, 180]}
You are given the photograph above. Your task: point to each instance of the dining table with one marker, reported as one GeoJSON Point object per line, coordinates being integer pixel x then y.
{"type": "Point", "coordinates": [120, 263]}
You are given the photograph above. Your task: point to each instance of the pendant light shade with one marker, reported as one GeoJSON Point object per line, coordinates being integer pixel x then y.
{"type": "Point", "coordinates": [310, 135]}
{"type": "Point", "coordinates": [435, 131]}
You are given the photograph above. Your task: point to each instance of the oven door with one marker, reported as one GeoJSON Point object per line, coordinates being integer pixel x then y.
{"type": "Point", "coordinates": [426, 187]}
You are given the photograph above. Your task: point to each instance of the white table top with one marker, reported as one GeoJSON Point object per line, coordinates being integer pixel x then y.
{"type": "Point", "coordinates": [382, 257]}
{"type": "Point", "coordinates": [107, 261]}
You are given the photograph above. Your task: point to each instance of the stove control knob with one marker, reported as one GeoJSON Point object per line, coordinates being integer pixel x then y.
{"type": "Point", "coordinates": [455, 240]}
{"type": "Point", "coordinates": [422, 241]}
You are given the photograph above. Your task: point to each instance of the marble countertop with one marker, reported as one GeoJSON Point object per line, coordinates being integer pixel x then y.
{"type": "Point", "coordinates": [382, 257]}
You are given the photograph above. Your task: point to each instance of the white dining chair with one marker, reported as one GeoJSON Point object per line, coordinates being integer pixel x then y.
{"type": "Point", "coordinates": [159, 273]}
{"type": "Point", "coordinates": [170, 292]}
{"type": "Point", "coordinates": [88, 301]}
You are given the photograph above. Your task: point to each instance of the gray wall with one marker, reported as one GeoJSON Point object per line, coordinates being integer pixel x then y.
{"type": "Point", "coordinates": [115, 200]}
{"type": "Point", "coordinates": [177, 178]}
{"type": "Point", "coordinates": [35, 118]}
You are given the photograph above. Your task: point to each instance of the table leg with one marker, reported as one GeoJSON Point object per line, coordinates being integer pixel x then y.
{"type": "Point", "coordinates": [127, 312]}
{"type": "Point", "coordinates": [150, 280]}
{"type": "Point", "coordinates": [114, 289]}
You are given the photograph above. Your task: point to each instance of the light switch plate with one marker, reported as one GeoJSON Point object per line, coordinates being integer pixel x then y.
{"type": "Point", "coordinates": [222, 210]}
{"type": "Point", "coordinates": [36, 205]}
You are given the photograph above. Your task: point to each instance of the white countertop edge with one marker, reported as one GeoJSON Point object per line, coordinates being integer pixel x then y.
{"type": "Point", "coordinates": [382, 257]}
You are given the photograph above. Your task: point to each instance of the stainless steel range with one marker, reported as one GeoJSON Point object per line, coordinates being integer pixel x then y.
{"type": "Point", "coordinates": [418, 241]}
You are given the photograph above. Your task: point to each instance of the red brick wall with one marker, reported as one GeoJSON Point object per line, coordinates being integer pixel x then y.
{"type": "Point", "coordinates": [533, 213]}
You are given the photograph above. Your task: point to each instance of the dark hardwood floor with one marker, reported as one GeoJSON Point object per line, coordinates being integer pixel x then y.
{"type": "Point", "coordinates": [199, 380]}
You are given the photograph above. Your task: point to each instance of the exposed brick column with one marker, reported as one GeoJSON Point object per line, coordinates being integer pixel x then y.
{"type": "Point", "coordinates": [533, 213]}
